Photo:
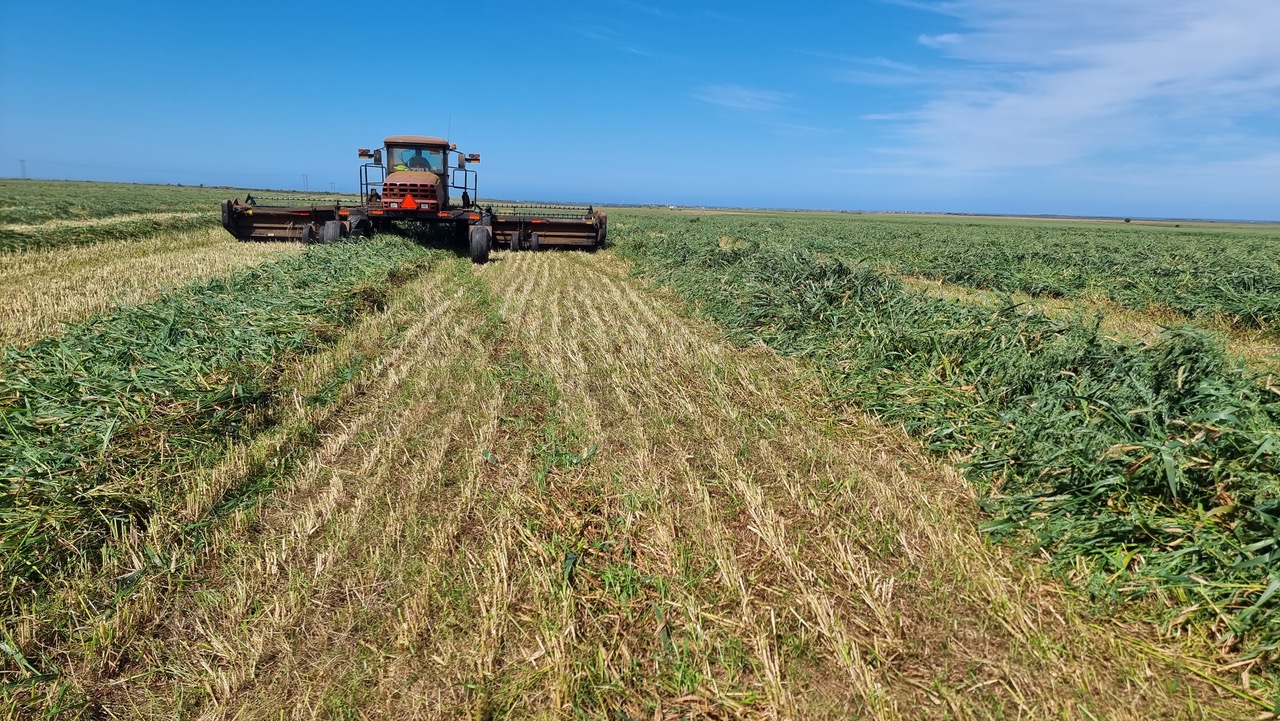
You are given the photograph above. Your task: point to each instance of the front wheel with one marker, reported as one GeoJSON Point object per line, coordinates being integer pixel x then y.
{"type": "Point", "coordinates": [480, 239]}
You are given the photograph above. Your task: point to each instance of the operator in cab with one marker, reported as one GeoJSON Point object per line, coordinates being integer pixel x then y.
{"type": "Point", "coordinates": [417, 161]}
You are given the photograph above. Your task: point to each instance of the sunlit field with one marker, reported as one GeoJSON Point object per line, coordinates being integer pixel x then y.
{"type": "Point", "coordinates": [734, 465]}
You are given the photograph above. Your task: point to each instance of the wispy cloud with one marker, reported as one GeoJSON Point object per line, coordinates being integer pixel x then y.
{"type": "Point", "coordinates": [651, 10]}
{"type": "Point", "coordinates": [878, 70]}
{"type": "Point", "coordinates": [943, 8]}
{"type": "Point", "coordinates": [599, 33]}
{"type": "Point", "coordinates": [939, 41]}
{"type": "Point", "coordinates": [604, 34]}
{"type": "Point", "coordinates": [802, 131]}
{"type": "Point", "coordinates": [741, 98]}
{"type": "Point", "coordinates": [1062, 81]}
{"type": "Point", "coordinates": [884, 72]}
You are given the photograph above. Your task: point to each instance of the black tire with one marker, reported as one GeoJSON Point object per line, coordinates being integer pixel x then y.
{"type": "Point", "coordinates": [601, 233]}
{"type": "Point", "coordinates": [535, 241]}
{"type": "Point", "coordinates": [515, 240]}
{"type": "Point", "coordinates": [308, 234]}
{"type": "Point", "coordinates": [359, 226]}
{"type": "Point", "coordinates": [480, 240]}
{"type": "Point", "coordinates": [331, 232]}
{"type": "Point", "coordinates": [226, 216]}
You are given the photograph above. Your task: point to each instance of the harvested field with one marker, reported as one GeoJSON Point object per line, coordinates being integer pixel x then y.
{"type": "Point", "coordinates": [1258, 348]}
{"type": "Point", "coordinates": [1218, 274]}
{"type": "Point", "coordinates": [1144, 468]}
{"type": "Point", "coordinates": [42, 290]}
{"type": "Point", "coordinates": [375, 480]}
{"type": "Point", "coordinates": [548, 493]}
{"type": "Point", "coordinates": [39, 202]}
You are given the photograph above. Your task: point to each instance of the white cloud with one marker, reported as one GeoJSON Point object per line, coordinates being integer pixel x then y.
{"type": "Point", "coordinates": [1076, 80]}
{"type": "Point", "coordinates": [741, 98]}
{"type": "Point", "coordinates": [802, 131]}
{"type": "Point", "coordinates": [939, 41]}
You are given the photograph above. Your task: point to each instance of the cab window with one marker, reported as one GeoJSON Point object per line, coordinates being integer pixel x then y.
{"type": "Point", "coordinates": [428, 159]}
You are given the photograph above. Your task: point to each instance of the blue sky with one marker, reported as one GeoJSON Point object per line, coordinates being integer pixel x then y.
{"type": "Point", "coordinates": [1090, 107]}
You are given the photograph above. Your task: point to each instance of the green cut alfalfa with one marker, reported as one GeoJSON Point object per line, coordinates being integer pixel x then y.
{"type": "Point", "coordinates": [91, 421]}
{"type": "Point", "coordinates": [1153, 464]}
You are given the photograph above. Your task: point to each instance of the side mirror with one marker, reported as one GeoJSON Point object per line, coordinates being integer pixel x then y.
{"type": "Point", "coordinates": [377, 156]}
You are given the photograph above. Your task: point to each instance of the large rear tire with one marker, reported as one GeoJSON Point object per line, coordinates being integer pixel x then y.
{"type": "Point", "coordinates": [480, 239]}
{"type": "Point", "coordinates": [308, 234]}
{"type": "Point", "coordinates": [515, 240]}
{"type": "Point", "coordinates": [331, 232]}
{"type": "Point", "coordinates": [535, 241]}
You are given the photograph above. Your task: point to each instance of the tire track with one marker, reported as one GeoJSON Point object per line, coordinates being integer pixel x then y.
{"type": "Point", "coordinates": [330, 555]}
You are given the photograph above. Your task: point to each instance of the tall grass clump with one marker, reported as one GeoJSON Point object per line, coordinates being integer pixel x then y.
{"type": "Point", "coordinates": [97, 425]}
{"type": "Point", "coordinates": [1144, 470]}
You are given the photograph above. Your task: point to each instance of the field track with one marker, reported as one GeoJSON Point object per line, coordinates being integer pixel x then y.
{"type": "Point", "coordinates": [550, 491]}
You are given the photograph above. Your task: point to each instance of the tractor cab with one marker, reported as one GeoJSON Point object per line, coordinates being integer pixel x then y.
{"type": "Point", "coordinates": [416, 178]}
{"type": "Point", "coordinates": [416, 158]}
{"type": "Point", "coordinates": [411, 175]}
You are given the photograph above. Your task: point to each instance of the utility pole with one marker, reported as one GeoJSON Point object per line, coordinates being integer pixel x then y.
{"type": "Point", "coordinates": [333, 187]}
{"type": "Point", "coordinates": [304, 183]}
{"type": "Point", "coordinates": [24, 168]}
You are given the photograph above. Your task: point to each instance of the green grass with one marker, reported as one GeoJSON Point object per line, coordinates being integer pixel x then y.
{"type": "Point", "coordinates": [1144, 470]}
{"type": "Point", "coordinates": [99, 422]}
{"type": "Point", "coordinates": [1227, 272]}
{"type": "Point", "coordinates": [40, 237]}
{"type": "Point", "coordinates": [39, 201]}
{"type": "Point", "coordinates": [37, 214]}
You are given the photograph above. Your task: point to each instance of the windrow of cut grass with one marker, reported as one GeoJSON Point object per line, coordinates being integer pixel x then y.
{"type": "Point", "coordinates": [40, 291]}
{"type": "Point", "coordinates": [1218, 275]}
{"type": "Point", "coordinates": [100, 422]}
{"type": "Point", "coordinates": [1144, 469]}
{"type": "Point", "coordinates": [123, 228]}
{"type": "Point", "coordinates": [40, 201]}
{"type": "Point", "coordinates": [1257, 348]}
{"type": "Point", "coordinates": [42, 214]}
